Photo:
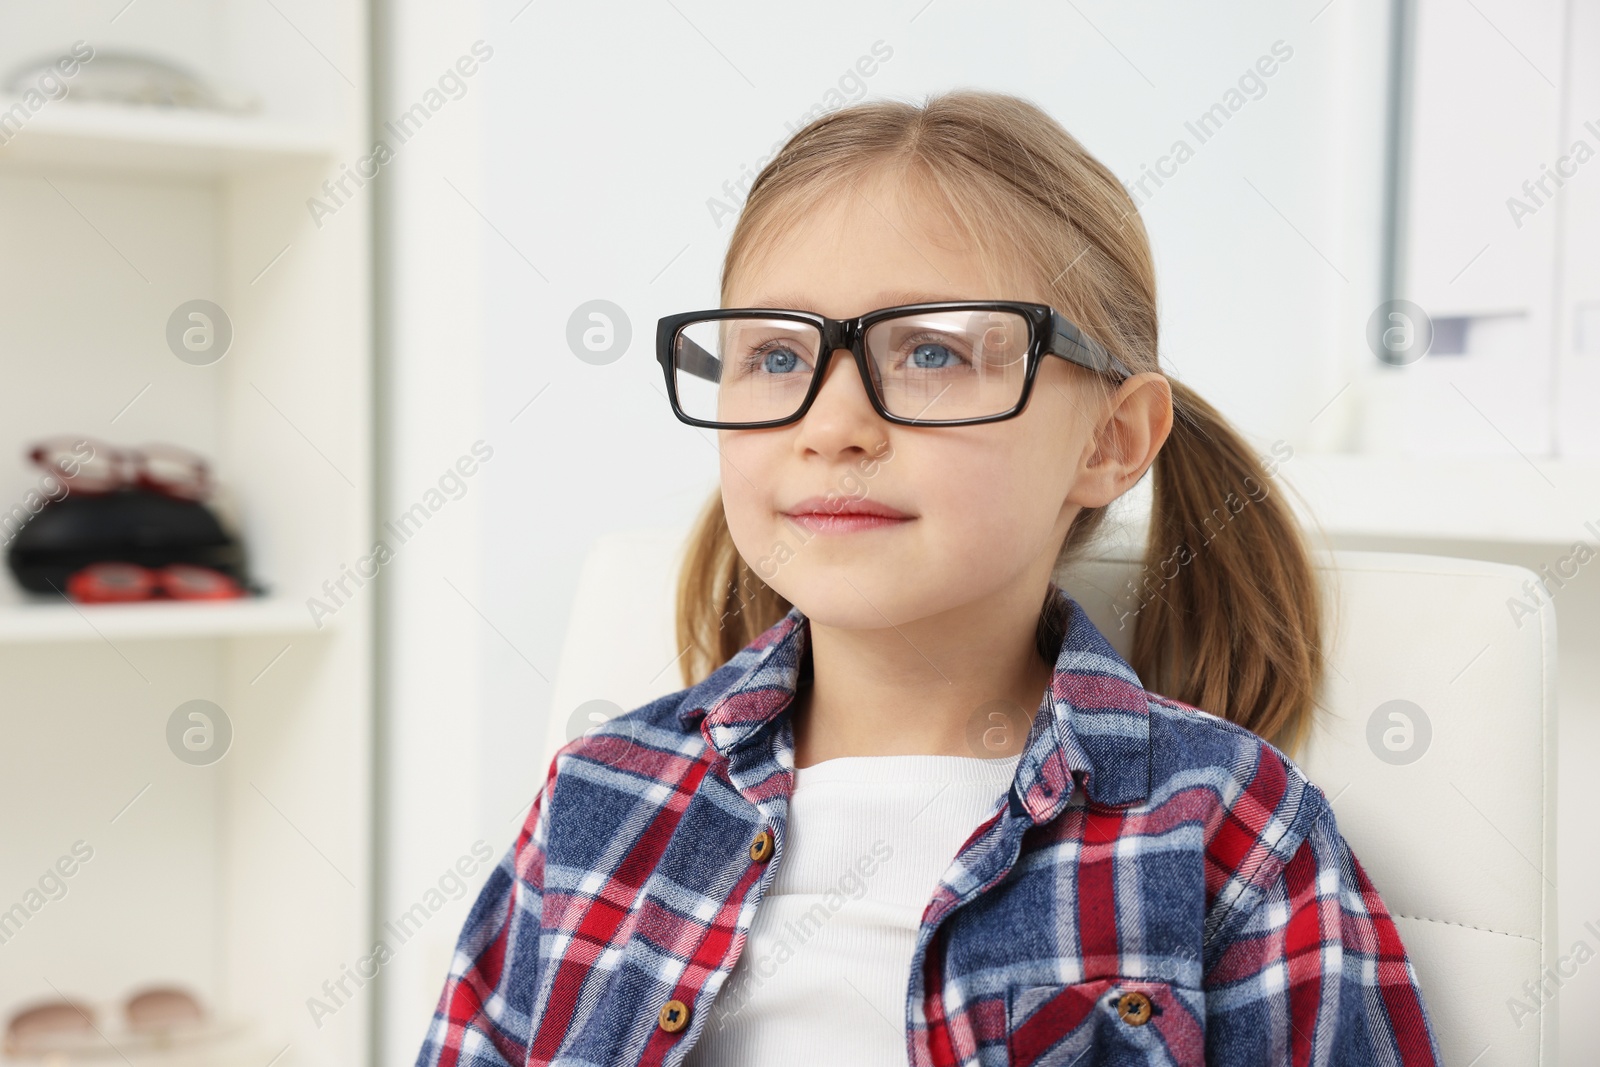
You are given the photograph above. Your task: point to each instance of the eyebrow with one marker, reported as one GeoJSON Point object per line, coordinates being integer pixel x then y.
{"type": "Point", "coordinates": [894, 299]}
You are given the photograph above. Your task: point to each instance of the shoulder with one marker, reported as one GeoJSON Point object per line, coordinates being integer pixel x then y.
{"type": "Point", "coordinates": [1192, 747]}
{"type": "Point", "coordinates": [625, 787]}
{"type": "Point", "coordinates": [643, 753]}
{"type": "Point", "coordinates": [643, 742]}
{"type": "Point", "coordinates": [655, 736]}
{"type": "Point", "coordinates": [1255, 805]}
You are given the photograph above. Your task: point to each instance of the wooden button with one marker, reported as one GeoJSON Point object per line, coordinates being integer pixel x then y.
{"type": "Point", "coordinates": [1134, 1008]}
{"type": "Point", "coordinates": [761, 847]}
{"type": "Point", "coordinates": [674, 1016]}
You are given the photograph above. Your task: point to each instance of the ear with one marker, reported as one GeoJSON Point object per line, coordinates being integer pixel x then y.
{"type": "Point", "coordinates": [1126, 443]}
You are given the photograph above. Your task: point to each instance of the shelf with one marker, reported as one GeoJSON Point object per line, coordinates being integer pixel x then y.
{"type": "Point", "coordinates": [25, 621]}
{"type": "Point", "coordinates": [128, 137]}
{"type": "Point", "coordinates": [1539, 500]}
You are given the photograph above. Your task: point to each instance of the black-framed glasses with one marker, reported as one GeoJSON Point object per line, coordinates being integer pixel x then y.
{"type": "Point", "coordinates": [949, 363]}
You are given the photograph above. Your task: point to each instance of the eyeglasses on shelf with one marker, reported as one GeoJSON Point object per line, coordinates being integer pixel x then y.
{"type": "Point", "coordinates": [93, 468]}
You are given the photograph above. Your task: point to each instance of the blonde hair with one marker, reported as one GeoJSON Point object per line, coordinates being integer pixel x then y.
{"type": "Point", "coordinates": [1237, 630]}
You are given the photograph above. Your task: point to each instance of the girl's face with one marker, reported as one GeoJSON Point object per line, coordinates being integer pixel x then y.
{"type": "Point", "coordinates": [988, 505]}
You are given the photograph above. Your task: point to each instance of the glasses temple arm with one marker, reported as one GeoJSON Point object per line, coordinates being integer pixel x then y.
{"type": "Point", "coordinates": [1073, 344]}
{"type": "Point", "coordinates": [693, 359]}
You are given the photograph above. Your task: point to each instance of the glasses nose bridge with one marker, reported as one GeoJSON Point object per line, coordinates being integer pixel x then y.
{"type": "Point", "coordinates": [845, 334]}
{"type": "Point", "coordinates": [840, 333]}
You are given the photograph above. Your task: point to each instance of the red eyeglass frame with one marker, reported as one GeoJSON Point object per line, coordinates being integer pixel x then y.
{"type": "Point", "coordinates": [116, 582]}
{"type": "Point", "coordinates": [129, 467]}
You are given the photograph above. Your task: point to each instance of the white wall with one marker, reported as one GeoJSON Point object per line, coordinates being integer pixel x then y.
{"type": "Point", "coordinates": [599, 161]}
{"type": "Point", "coordinates": [431, 372]}
{"type": "Point", "coordinates": [589, 147]}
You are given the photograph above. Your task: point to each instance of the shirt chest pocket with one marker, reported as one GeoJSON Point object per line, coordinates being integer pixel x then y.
{"type": "Point", "coordinates": [1108, 1022]}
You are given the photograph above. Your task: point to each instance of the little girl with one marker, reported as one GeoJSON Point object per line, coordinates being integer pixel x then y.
{"type": "Point", "coordinates": [912, 807]}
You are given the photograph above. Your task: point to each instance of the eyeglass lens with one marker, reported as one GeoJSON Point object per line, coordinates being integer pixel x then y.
{"type": "Point", "coordinates": [934, 366]}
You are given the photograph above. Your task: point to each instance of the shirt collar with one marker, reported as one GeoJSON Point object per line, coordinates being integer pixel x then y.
{"type": "Point", "coordinates": [1092, 732]}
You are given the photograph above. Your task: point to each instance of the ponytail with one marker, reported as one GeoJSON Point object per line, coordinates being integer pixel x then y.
{"type": "Point", "coordinates": [1229, 608]}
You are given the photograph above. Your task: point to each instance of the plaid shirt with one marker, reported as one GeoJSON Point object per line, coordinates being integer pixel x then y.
{"type": "Point", "coordinates": [1159, 885]}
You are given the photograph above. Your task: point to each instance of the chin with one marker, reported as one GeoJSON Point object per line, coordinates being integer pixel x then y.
{"type": "Point", "coordinates": [864, 602]}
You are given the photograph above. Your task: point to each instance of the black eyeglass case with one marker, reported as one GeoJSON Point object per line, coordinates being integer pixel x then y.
{"type": "Point", "coordinates": [131, 525]}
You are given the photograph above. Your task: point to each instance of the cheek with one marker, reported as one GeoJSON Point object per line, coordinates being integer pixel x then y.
{"type": "Point", "coordinates": [981, 485]}
{"type": "Point", "coordinates": [999, 497]}
{"type": "Point", "coordinates": [747, 506]}
{"type": "Point", "coordinates": [981, 516]}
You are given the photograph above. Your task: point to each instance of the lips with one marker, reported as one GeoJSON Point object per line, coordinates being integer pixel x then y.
{"type": "Point", "coordinates": [819, 505]}
{"type": "Point", "coordinates": [820, 515]}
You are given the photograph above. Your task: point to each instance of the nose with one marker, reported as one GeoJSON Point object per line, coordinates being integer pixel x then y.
{"type": "Point", "coordinates": [842, 383]}
{"type": "Point", "coordinates": [843, 365]}
{"type": "Point", "coordinates": [841, 415]}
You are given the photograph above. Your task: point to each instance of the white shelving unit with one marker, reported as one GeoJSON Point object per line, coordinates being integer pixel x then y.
{"type": "Point", "coordinates": [127, 138]}
{"type": "Point", "coordinates": [23, 620]}
{"type": "Point", "coordinates": [248, 879]}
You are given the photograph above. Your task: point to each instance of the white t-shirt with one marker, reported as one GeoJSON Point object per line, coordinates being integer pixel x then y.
{"type": "Point", "coordinates": [822, 978]}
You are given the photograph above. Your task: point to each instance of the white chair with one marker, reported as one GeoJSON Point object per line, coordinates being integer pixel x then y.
{"type": "Point", "coordinates": [1460, 841]}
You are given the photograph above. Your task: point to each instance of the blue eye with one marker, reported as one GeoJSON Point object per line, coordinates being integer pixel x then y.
{"type": "Point", "coordinates": [773, 359]}
{"type": "Point", "coordinates": [779, 361]}
{"type": "Point", "coordinates": [928, 356]}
